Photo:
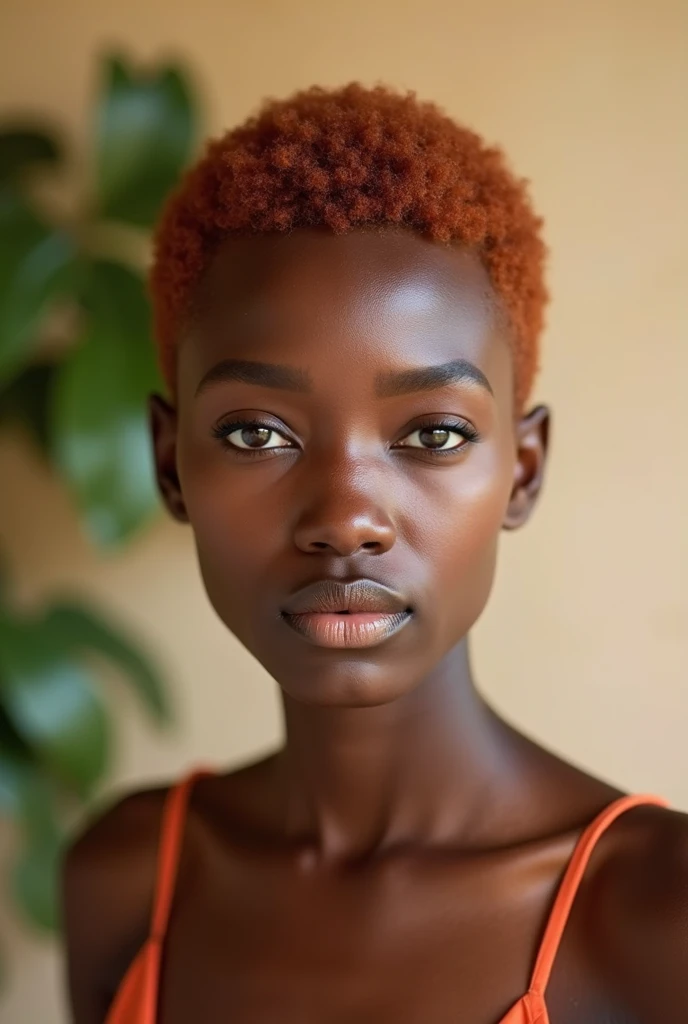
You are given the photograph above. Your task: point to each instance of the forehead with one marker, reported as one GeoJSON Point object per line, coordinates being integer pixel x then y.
{"type": "Point", "coordinates": [357, 302]}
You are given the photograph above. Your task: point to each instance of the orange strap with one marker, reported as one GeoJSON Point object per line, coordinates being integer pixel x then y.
{"type": "Point", "coordinates": [172, 832]}
{"type": "Point", "coordinates": [169, 849]}
{"type": "Point", "coordinates": [572, 880]}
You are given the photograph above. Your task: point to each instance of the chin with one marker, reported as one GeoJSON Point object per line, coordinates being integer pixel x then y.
{"type": "Point", "coordinates": [348, 684]}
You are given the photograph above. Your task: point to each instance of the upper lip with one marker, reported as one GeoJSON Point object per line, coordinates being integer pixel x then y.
{"type": "Point", "coordinates": [361, 595]}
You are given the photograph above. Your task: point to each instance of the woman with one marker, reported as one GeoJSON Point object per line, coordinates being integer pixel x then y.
{"type": "Point", "coordinates": [348, 293]}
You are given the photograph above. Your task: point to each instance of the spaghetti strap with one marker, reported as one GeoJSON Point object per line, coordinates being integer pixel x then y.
{"type": "Point", "coordinates": [169, 850]}
{"type": "Point", "coordinates": [136, 999]}
{"type": "Point", "coordinates": [571, 882]}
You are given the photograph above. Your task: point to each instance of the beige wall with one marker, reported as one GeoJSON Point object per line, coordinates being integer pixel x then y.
{"type": "Point", "coordinates": [585, 642]}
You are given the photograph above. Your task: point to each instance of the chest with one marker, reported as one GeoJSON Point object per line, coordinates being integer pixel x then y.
{"type": "Point", "coordinates": [436, 943]}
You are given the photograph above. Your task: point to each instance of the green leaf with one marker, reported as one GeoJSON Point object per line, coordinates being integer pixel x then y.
{"type": "Point", "coordinates": [145, 131]}
{"type": "Point", "coordinates": [37, 265]}
{"type": "Point", "coordinates": [36, 871]}
{"type": "Point", "coordinates": [29, 797]}
{"type": "Point", "coordinates": [51, 702]}
{"type": "Point", "coordinates": [35, 884]}
{"type": "Point", "coordinates": [26, 401]}
{"type": "Point", "coordinates": [21, 148]}
{"type": "Point", "coordinates": [12, 745]}
{"type": "Point", "coordinates": [99, 416]}
{"type": "Point", "coordinates": [83, 631]}
{"type": "Point", "coordinates": [13, 776]}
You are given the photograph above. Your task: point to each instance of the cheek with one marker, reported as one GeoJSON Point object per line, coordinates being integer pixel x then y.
{"type": "Point", "coordinates": [229, 517]}
{"type": "Point", "coordinates": [460, 537]}
{"type": "Point", "coordinates": [225, 500]}
{"type": "Point", "coordinates": [234, 525]}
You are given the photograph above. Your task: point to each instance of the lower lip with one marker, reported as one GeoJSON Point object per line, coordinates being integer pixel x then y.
{"type": "Point", "coordinates": [358, 629]}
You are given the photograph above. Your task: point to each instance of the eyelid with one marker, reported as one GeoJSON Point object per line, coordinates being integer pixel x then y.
{"type": "Point", "coordinates": [449, 421]}
{"type": "Point", "coordinates": [420, 448]}
{"type": "Point", "coordinates": [223, 429]}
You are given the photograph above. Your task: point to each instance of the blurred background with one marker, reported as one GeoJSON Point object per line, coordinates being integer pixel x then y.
{"type": "Point", "coordinates": [114, 671]}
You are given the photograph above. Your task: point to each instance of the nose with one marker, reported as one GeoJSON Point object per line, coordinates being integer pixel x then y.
{"type": "Point", "coordinates": [345, 513]}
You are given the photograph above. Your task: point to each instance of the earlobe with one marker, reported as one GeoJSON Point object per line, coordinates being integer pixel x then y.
{"type": "Point", "coordinates": [163, 426]}
{"type": "Point", "coordinates": [532, 443]}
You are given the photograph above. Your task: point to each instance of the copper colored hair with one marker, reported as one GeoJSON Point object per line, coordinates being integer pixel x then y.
{"type": "Point", "coordinates": [349, 158]}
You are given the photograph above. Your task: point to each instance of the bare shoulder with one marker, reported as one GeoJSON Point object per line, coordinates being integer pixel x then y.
{"type": "Point", "coordinates": [113, 856]}
{"type": "Point", "coordinates": [637, 910]}
{"type": "Point", "coordinates": [107, 883]}
{"type": "Point", "coordinates": [109, 873]}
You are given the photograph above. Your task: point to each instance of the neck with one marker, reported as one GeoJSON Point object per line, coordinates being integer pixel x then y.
{"type": "Point", "coordinates": [417, 771]}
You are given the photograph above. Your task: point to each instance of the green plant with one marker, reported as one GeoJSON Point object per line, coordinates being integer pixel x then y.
{"type": "Point", "coordinates": [80, 391]}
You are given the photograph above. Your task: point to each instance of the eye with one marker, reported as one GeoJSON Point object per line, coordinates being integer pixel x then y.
{"type": "Point", "coordinates": [442, 438]}
{"type": "Point", "coordinates": [250, 437]}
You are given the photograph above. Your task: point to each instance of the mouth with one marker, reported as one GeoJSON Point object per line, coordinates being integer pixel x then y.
{"type": "Point", "coordinates": [347, 629]}
{"type": "Point", "coordinates": [357, 613]}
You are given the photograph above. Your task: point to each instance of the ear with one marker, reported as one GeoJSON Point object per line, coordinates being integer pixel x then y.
{"type": "Point", "coordinates": [163, 425]}
{"type": "Point", "coordinates": [532, 443]}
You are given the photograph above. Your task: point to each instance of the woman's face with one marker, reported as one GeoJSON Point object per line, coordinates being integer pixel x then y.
{"type": "Point", "coordinates": [353, 468]}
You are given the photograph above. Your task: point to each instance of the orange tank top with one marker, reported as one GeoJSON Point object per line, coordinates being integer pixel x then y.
{"type": "Point", "coordinates": [136, 1000]}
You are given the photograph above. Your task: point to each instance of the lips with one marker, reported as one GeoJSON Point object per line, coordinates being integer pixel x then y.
{"type": "Point", "coordinates": [361, 613]}
{"type": "Point", "coordinates": [361, 595]}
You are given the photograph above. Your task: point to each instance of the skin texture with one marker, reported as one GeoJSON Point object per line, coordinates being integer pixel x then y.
{"type": "Point", "coordinates": [395, 860]}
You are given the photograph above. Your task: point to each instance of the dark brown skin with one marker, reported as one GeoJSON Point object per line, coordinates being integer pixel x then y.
{"type": "Point", "coordinates": [395, 861]}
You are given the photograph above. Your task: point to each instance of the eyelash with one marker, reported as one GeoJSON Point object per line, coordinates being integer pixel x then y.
{"type": "Point", "coordinates": [462, 427]}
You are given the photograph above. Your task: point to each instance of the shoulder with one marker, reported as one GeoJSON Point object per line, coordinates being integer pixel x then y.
{"type": "Point", "coordinates": [637, 911]}
{"type": "Point", "coordinates": [107, 884]}
{"type": "Point", "coordinates": [113, 846]}
{"type": "Point", "coordinates": [109, 873]}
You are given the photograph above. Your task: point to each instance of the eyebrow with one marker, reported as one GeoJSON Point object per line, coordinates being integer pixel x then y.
{"type": "Point", "coordinates": [267, 375]}
{"type": "Point", "coordinates": [387, 385]}
{"type": "Point", "coordinates": [429, 378]}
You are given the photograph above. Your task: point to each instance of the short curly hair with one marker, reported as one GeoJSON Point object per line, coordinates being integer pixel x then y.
{"type": "Point", "coordinates": [350, 158]}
